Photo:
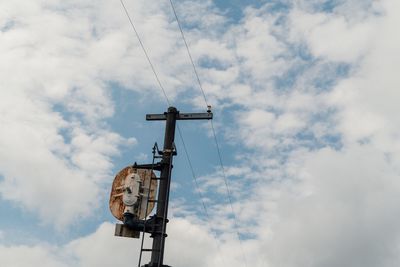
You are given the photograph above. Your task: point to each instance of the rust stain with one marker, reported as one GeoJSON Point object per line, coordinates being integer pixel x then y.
{"type": "Point", "coordinates": [117, 206]}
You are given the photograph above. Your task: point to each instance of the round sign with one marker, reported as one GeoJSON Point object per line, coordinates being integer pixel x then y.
{"type": "Point", "coordinates": [141, 186]}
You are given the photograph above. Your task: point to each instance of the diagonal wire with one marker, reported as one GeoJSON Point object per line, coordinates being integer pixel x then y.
{"type": "Point", "coordinates": [145, 53]}
{"type": "Point", "coordinates": [200, 195]}
{"type": "Point", "coordinates": [213, 131]}
{"type": "Point", "coordinates": [188, 51]}
{"type": "Point", "coordinates": [193, 173]}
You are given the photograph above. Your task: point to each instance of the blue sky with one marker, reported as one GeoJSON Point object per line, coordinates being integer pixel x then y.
{"type": "Point", "coordinates": [305, 101]}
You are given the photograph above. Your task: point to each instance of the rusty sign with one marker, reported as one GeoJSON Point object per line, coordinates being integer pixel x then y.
{"type": "Point", "coordinates": [119, 187]}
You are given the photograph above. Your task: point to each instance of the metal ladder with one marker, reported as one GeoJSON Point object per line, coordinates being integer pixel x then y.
{"type": "Point", "coordinates": [155, 149]}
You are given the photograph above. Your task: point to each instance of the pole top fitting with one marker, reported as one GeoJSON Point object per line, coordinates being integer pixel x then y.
{"type": "Point", "coordinates": [172, 110]}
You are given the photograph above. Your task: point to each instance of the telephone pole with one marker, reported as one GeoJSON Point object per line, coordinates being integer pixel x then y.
{"type": "Point", "coordinates": [156, 225]}
{"type": "Point", "coordinates": [157, 255]}
{"type": "Point", "coordinates": [171, 116]}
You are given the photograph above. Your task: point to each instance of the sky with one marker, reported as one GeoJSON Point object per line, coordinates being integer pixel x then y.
{"type": "Point", "coordinates": [305, 101]}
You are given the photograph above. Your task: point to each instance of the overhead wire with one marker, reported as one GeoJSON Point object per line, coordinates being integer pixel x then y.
{"type": "Point", "coordinates": [213, 131]}
{"type": "Point", "coordinates": [193, 173]}
{"type": "Point", "coordinates": [188, 50]}
{"type": "Point", "coordinates": [145, 53]}
{"type": "Point", "coordinates": [169, 103]}
{"type": "Point", "coordinates": [198, 191]}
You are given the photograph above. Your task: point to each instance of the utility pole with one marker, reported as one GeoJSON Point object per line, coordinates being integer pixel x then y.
{"type": "Point", "coordinates": [171, 116]}
{"type": "Point", "coordinates": [156, 225]}
{"type": "Point", "coordinates": [157, 255]}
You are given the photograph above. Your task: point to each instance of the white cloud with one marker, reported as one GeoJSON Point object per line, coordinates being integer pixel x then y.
{"type": "Point", "coordinates": [20, 256]}
{"type": "Point", "coordinates": [55, 147]}
{"type": "Point", "coordinates": [187, 244]}
{"type": "Point", "coordinates": [344, 213]}
{"type": "Point", "coordinates": [332, 36]}
{"type": "Point", "coordinates": [368, 99]}
{"type": "Point", "coordinates": [42, 171]}
{"type": "Point", "coordinates": [102, 248]}
{"type": "Point", "coordinates": [98, 249]}
{"type": "Point", "coordinates": [259, 50]}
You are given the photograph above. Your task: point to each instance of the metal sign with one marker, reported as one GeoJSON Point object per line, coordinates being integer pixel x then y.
{"type": "Point", "coordinates": [130, 193]}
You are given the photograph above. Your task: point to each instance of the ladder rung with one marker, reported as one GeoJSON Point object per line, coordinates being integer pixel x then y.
{"type": "Point", "coordinates": [157, 178]}
{"type": "Point", "coordinates": [149, 249]}
{"type": "Point", "coordinates": [158, 234]}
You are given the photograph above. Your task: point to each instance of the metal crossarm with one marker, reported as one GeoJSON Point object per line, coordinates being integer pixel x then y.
{"type": "Point", "coordinates": [181, 116]}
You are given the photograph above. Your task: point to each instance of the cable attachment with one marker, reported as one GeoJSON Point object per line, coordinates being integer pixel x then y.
{"type": "Point", "coordinates": [156, 149]}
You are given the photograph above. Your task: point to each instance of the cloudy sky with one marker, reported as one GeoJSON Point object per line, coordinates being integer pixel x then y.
{"type": "Point", "coordinates": [305, 96]}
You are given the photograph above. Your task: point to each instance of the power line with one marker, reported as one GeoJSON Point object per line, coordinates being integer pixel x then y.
{"type": "Point", "coordinates": [193, 173]}
{"type": "Point", "coordinates": [213, 130]}
{"type": "Point", "coordinates": [145, 53]}
{"type": "Point", "coordinates": [208, 219]}
{"type": "Point", "coordinates": [188, 50]}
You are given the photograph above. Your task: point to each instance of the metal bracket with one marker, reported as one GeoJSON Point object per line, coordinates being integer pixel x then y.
{"type": "Point", "coordinates": [180, 116]}
{"type": "Point", "coordinates": [124, 231]}
{"type": "Point", "coordinates": [170, 151]}
{"type": "Point", "coordinates": [161, 153]}
{"type": "Point", "coordinates": [156, 149]}
{"type": "Point", "coordinates": [152, 226]}
{"type": "Point", "coordinates": [156, 167]}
